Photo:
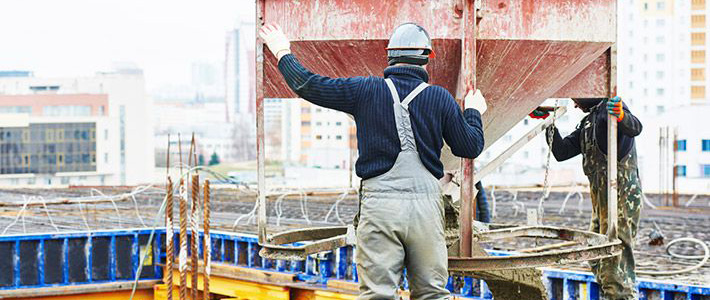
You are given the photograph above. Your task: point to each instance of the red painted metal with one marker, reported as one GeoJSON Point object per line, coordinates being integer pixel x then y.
{"type": "Point", "coordinates": [467, 80]}
{"type": "Point", "coordinates": [527, 51]}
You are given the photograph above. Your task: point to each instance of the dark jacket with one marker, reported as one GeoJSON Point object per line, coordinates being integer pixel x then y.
{"type": "Point", "coordinates": [571, 145]}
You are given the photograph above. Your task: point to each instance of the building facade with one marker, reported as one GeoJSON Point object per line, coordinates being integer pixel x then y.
{"type": "Point", "coordinates": [82, 131]}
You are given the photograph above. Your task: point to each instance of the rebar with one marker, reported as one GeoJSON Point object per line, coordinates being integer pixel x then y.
{"type": "Point", "coordinates": [183, 244]}
{"type": "Point", "coordinates": [207, 243]}
{"type": "Point", "coordinates": [194, 236]}
{"type": "Point", "coordinates": [169, 235]}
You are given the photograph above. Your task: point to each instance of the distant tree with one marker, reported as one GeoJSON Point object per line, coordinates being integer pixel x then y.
{"type": "Point", "coordinates": [214, 160]}
{"type": "Point", "coordinates": [201, 160]}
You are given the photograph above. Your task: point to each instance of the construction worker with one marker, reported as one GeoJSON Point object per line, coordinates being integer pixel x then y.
{"type": "Point", "coordinates": [402, 123]}
{"type": "Point", "coordinates": [483, 212]}
{"type": "Point", "coordinates": [615, 275]}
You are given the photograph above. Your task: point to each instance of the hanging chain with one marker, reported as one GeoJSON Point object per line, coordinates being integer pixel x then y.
{"type": "Point", "coordinates": [546, 183]}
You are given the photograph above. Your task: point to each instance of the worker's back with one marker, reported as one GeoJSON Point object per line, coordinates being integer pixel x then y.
{"type": "Point", "coordinates": [435, 115]}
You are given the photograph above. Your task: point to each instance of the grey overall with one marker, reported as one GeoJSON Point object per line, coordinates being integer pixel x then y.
{"type": "Point", "coordinates": [402, 222]}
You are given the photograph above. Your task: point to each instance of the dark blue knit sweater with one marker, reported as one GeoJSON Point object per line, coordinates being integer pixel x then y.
{"type": "Point", "coordinates": [434, 113]}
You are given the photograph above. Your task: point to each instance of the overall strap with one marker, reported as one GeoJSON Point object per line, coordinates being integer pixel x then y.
{"type": "Point", "coordinates": [401, 115]}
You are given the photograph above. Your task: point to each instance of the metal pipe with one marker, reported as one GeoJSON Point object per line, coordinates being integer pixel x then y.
{"type": "Point", "coordinates": [170, 246]}
{"type": "Point", "coordinates": [194, 236]}
{"type": "Point", "coordinates": [261, 193]}
{"type": "Point", "coordinates": [468, 74]}
{"type": "Point", "coordinates": [612, 172]}
{"type": "Point", "coordinates": [183, 243]}
{"type": "Point", "coordinates": [207, 242]}
{"type": "Point", "coordinates": [675, 166]}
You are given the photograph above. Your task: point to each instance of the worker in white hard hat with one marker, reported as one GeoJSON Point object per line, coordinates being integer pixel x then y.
{"type": "Point", "coordinates": [402, 123]}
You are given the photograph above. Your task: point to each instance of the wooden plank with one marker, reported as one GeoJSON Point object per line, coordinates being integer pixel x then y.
{"type": "Point", "coordinates": [77, 289]}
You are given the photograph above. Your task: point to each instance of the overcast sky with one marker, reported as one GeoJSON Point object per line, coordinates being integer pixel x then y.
{"type": "Point", "coordinates": [80, 37]}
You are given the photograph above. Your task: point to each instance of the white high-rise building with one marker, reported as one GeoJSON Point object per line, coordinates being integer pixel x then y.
{"type": "Point", "coordinates": [239, 70]}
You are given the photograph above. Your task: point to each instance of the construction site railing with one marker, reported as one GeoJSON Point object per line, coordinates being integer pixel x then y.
{"type": "Point", "coordinates": [63, 259]}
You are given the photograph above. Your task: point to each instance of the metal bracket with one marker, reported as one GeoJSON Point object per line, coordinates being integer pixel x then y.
{"type": "Point", "coordinates": [596, 246]}
{"type": "Point", "coordinates": [295, 245]}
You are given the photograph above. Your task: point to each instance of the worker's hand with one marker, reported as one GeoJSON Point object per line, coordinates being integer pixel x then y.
{"type": "Point", "coordinates": [276, 40]}
{"type": "Point", "coordinates": [550, 131]}
{"type": "Point", "coordinates": [475, 101]}
{"type": "Point", "coordinates": [539, 114]}
{"type": "Point", "coordinates": [616, 108]}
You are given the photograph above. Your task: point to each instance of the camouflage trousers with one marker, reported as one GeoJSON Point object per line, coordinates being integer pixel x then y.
{"type": "Point", "coordinates": [616, 275]}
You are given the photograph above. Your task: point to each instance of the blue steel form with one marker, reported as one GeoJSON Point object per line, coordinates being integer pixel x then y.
{"type": "Point", "coordinates": [242, 250]}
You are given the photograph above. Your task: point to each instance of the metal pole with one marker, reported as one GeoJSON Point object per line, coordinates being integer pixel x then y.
{"type": "Point", "coordinates": [468, 70]}
{"type": "Point", "coordinates": [194, 236]}
{"type": "Point", "coordinates": [207, 242]}
{"type": "Point", "coordinates": [612, 173]}
{"type": "Point", "coordinates": [660, 161]}
{"type": "Point", "coordinates": [261, 192]}
{"type": "Point", "coordinates": [183, 243]}
{"type": "Point", "coordinates": [169, 234]}
{"type": "Point", "coordinates": [675, 166]}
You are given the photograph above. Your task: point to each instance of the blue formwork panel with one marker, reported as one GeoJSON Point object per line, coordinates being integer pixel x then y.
{"type": "Point", "coordinates": [44, 260]}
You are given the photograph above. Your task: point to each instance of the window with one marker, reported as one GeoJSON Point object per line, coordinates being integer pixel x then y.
{"type": "Point", "coordinates": [660, 109]}
{"type": "Point", "coordinates": [305, 123]}
{"type": "Point", "coordinates": [660, 39]}
{"type": "Point", "coordinates": [305, 110]}
{"type": "Point", "coordinates": [319, 123]}
{"type": "Point", "coordinates": [338, 123]}
{"type": "Point", "coordinates": [16, 109]}
{"type": "Point", "coordinates": [697, 92]}
{"type": "Point", "coordinates": [697, 21]}
{"type": "Point", "coordinates": [102, 110]}
{"type": "Point", "coordinates": [659, 74]}
{"type": "Point", "coordinates": [698, 5]}
{"type": "Point", "coordinates": [319, 109]}
{"type": "Point", "coordinates": [660, 57]}
{"type": "Point", "coordinates": [705, 170]}
{"type": "Point", "coordinates": [66, 110]}
{"type": "Point", "coordinates": [697, 56]}
{"type": "Point", "coordinates": [319, 137]}
{"type": "Point", "coordinates": [697, 38]}
{"type": "Point", "coordinates": [697, 74]}
{"type": "Point", "coordinates": [660, 92]}
{"type": "Point", "coordinates": [645, 6]}
{"type": "Point", "coordinates": [660, 5]}
{"type": "Point", "coordinates": [105, 157]}
{"type": "Point", "coordinates": [681, 170]}
{"type": "Point", "coordinates": [660, 22]}
{"type": "Point", "coordinates": [681, 145]}
{"type": "Point", "coordinates": [706, 145]}
{"type": "Point", "coordinates": [338, 137]}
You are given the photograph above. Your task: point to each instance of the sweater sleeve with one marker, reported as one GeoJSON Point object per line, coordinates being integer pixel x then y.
{"type": "Point", "coordinates": [340, 94]}
{"type": "Point", "coordinates": [630, 125]}
{"type": "Point", "coordinates": [565, 148]}
{"type": "Point", "coordinates": [463, 132]}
